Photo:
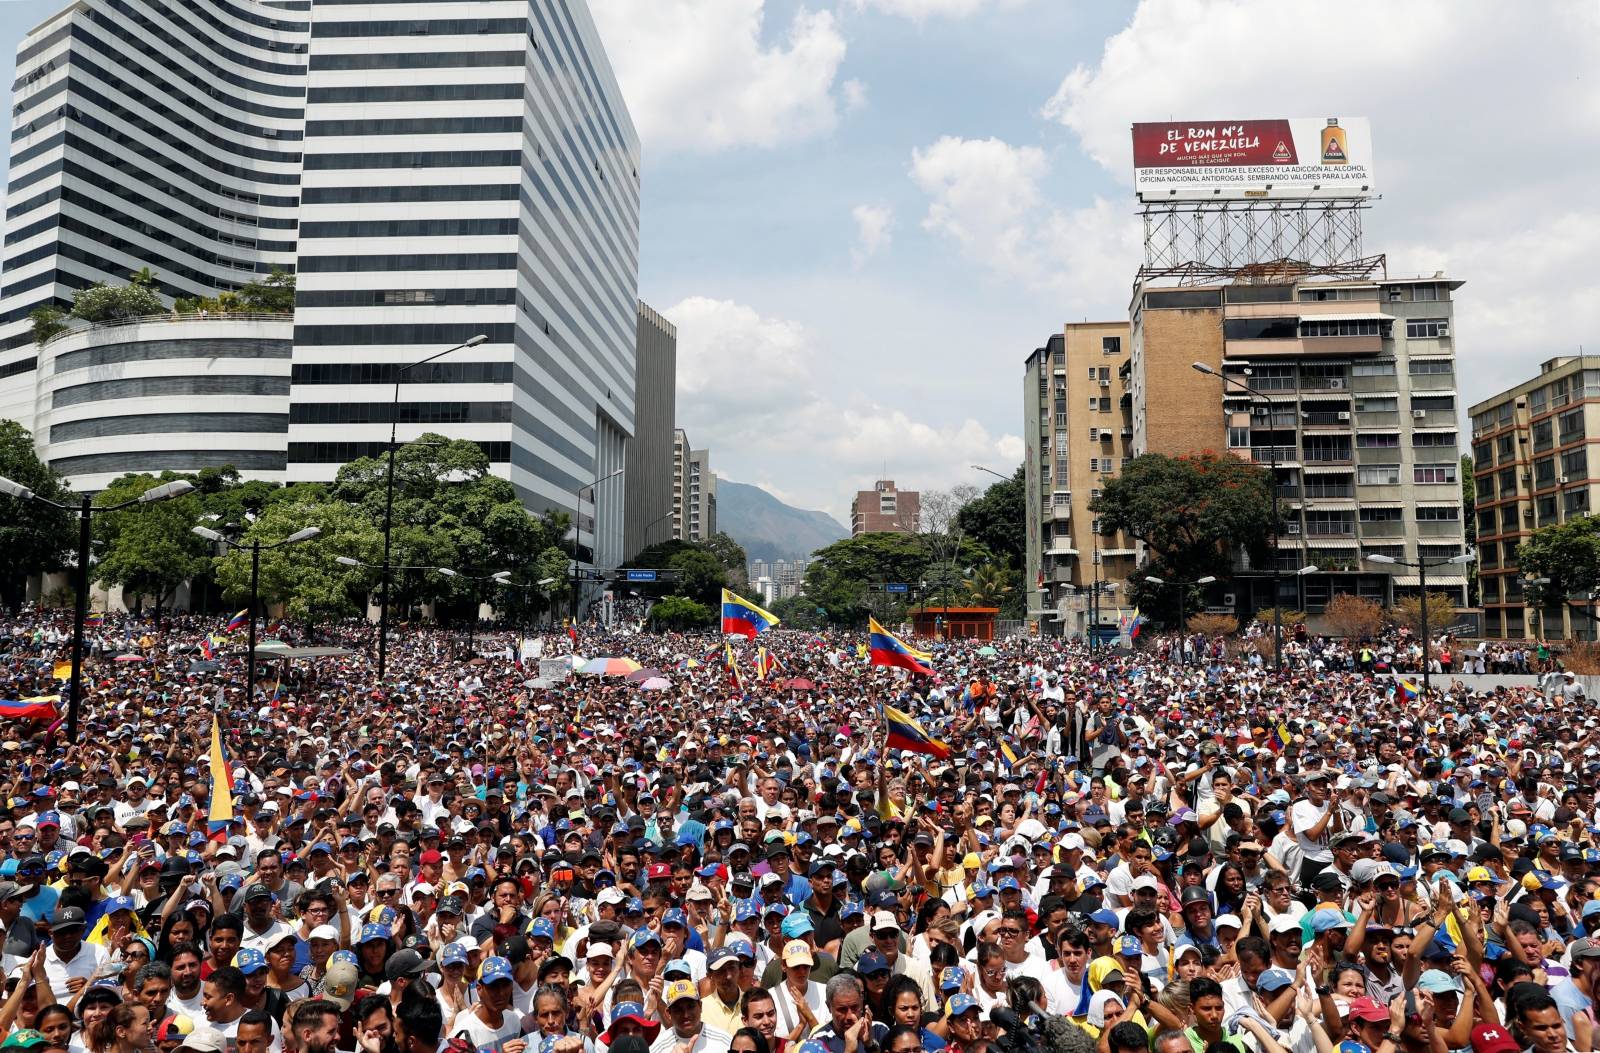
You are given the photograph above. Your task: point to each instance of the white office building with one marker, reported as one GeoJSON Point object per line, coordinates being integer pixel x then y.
{"type": "Point", "coordinates": [432, 170]}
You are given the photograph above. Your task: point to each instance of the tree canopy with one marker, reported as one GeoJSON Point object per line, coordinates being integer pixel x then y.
{"type": "Point", "coordinates": [34, 538]}
{"type": "Point", "coordinates": [1566, 553]}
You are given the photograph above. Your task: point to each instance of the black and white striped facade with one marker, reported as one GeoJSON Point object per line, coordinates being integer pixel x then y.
{"type": "Point", "coordinates": [149, 133]}
{"type": "Point", "coordinates": [470, 168]}
{"type": "Point", "coordinates": [433, 170]}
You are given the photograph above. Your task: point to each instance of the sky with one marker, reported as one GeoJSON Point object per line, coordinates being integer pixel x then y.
{"type": "Point", "coordinates": [863, 215]}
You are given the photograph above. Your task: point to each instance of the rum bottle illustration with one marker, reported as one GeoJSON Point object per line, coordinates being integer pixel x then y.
{"type": "Point", "coordinates": [1333, 144]}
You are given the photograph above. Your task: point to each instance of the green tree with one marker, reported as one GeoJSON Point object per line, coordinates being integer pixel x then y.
{"type": "Point", "coordinates": [990, 585]}
{"type": "Point", "coordinates": [105, 303]}
{"type": "Point", "coordinates": [305, 578]}
{"type": "Point", "coordinates": [839, 576]}
{"type": "Point", "coordinates": [732, 557]}
{"type": "Point", "coordinates": [34, 538]}
{"type": "Point", "coordinates": [797, 612]}
{"type": "Point", "coordinates": [274, 294]}
{"type": "Point", "coordinates": [148, 550]}
{"type": "Point", "coordinates": [1191, 513]}
{"type": "Point", "coordinates": [47, 322]}
{"type": "Point", "coordinates": [1566, 553]}
{"type": "Point", "coordinates": [998, 519]}
{"type": "Point", "coordinates": [701, 576]}
{"type": "Point", "coordinates": [680, 612]}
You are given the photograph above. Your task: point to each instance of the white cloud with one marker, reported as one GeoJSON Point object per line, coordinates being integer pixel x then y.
{"type": "Point", "coordinates": [1484, 177]}
{"type": "Point", "coordinates": [758, 391]}
{"type": "Point", "coordinates": [855, 95]}
{"type": "Point", "coordinates": [697, 74]}
{"type": "Point", "coordinates": [985, 195]}
{"type": "Point", "coordinates": [873, 226]}
{"type": "Point", "coordinates": [921, 10]}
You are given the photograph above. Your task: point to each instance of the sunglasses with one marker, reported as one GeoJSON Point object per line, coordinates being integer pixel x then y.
{"type": "Point", "coordinates": [1387, 886]}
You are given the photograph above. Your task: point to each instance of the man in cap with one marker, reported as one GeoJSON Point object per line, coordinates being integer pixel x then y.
{"type": "Point", "coordinates": [800, 1000]}
{"type": "Point", "coordinates": [491, 1024]}
{"type": "Point", "coordinates": [688, 1033]}
{"type": "Point", "coordinates": [1309, 819]}
{"type": "Point", "coordinates": [721, 1007]}
{"type": "Point", "coordinates": [70, 962]}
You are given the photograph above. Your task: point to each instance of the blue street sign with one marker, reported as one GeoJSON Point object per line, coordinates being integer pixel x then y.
{"type": "Point", "coordinates": [896, 586]}
{"type": "Point", "coordinates": [641, 575]}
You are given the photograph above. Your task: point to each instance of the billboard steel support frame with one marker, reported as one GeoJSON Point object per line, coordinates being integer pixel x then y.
{"type": "Point", "coordinates": [1203, 241]}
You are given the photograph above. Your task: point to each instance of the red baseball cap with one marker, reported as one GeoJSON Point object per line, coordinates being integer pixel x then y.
{"type": "Point", "coordinates": [1365, 1008]}
{"type": "Point", "coordinates": [658, 872]}
{"type": "Point", "coordinates": [430, 856]}
{"type": "Point", "coordinates": [1492, 1038]}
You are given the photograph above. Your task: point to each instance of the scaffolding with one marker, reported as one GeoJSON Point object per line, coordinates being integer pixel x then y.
{"type": "Point", "coordinates": [1197, 242]}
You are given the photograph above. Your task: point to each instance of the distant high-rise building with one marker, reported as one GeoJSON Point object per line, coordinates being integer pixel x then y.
{"type": "Point", "coordinates": [650, 450]}
{"type": "Point", "coordinates": [885, 509]}
{"type": "Point", "coordinates": [694, 491]}
{"type": "Point", "coordinates": [1530, 460]}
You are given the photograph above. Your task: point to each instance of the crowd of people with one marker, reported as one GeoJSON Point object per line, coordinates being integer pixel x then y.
{"type": "Point", "coordinates": [1109, 850]}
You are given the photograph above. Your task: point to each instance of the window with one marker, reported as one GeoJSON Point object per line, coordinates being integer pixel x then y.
{"type": "Point", "coordinates": [1433, 367]}
{"type": "Point", "coordinates": [1544, 471]}
{"type": "Point", "coordinates": [1486, 521]}
{"type": "Point", "coordinates": [1434, 473]}
{"type": "Point", "coordinates": [1575, 501]}
{"type": "Point", "coordinates": [1341, 327]}
{"type": "Point", "coordinates": [1105, 372]}
{"type": "Point", "coordinates": [1508, 518]}
{"type": "Point", "coordinates": [1061, 442]}
{"type": "Point", "coordinates": [1094, 464]}
{"type": "Point", "coordinates": [1260, 328]}
{"type": "Point", "coordinates": [1260, 293]}
{"type": "Point", "coordinates": [1380, 515]}
{"type": "Point", "coordinates": [1378, 474]}
{"type": "Point", "coordinates": [1438, 514]}
{"type": "Point", "coordinates": [1543, 434]}
{"type": "Point", "coordinates": [1094, 434]}
{"type": "Point", "coordinates": [1111, 345]}
{"type": "Point", "coordinates": [1434, 403]}
{"type": "Point", "coordinates": [1490, 587]}
{"type": "Point", "coordinates": [1092, 373]}
{"type": "Point", "coordinates": [1575, 465]}
{"type": "Point", "coordinates": [1482, 454]}
{"type": "Point", "coordinates": [1183, 298]}
{"type": "Point", "coordinates": [1382, 404]}
{"type": "Point", "coordinates": [1325, 295]}
{"type": "Point", "coordinates": [1382, 439]}
{"type": "Point", "coordinates": [1238, 438]}
{"type": "Point", "coordinates": [1424, 291]}
{"type": "Point", "coordinates": [1508, 482]}
{"type": "Point", "coordinates": [1425, 328]}
{"type": "Point", "coordinates": [1546, 509]}
{"type": "Point", "coordinates": [1105, 403]}
{"type": "Point", "coordinates": [1383, 367]}
{"type": "Point", "coordinates": [1571, 425]}
{"type": "Point", "coordinates": [1423, 439]}
{"type": "Point", "coordinates": [1094, 403]}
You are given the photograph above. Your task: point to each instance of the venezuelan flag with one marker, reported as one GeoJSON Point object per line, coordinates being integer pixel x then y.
{"type": "Point", "coordinates": [761, 663]}
{"type": "Point", "coordinates": [62, 671]}
{"type": "Point", "coordinates": [1408, 689]}
{"type": "Point", "coordinates": [740, 617]}
{"type": "Point", "coordinates": [94, 620]}
{"type": "Point", "coordinates": [906, 734]}
{"type": "Point", "coordinates": [1135, 624]}
{"type": "Point", "coordinates": [208, 648]}
{"type": "Point", "coordinates": [889, 650]}
{"type": "Point", "coordinates": [1278, 737]}
{"type": "Point", "coordinates": [221, 813]}
{"type": "Point", "coordinates": [237, 621]}
{"type": "Point", "coordinates": [1008, 755]}
{"type": "Point", "coordinates": [39, 707]}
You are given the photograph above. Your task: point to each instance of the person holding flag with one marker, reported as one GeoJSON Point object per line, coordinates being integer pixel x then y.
{"type": "Point", "coordinates": [740, 617]}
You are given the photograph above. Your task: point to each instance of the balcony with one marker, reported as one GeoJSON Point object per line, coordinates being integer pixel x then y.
{"type": "Point", "coordinates": [1433, 382]}
{"type": "Point", "coordinates": [1316, 530]}
{"type": "Point", "coordinates": [1331, 493]}
{"type": "Point", "coordinates": [1268, 454]}
{"type": "Point", "coordinates": [1325, 419]}
{"type": "Point", "coordinates": [1378, 455]}
{"type": "Point", "coordinates": [1327, 454]}
{"type": "Point", "coordinates": [1433, 528]}
{"type": "Point", "coordinates": [1060, 513]}
{"type": "Point", "coordinates": [1364, 384]}
{"type": "Point", "coordinates": [1325, 386]}
{"type": "Point", "coordinates": [1378, 419]}
{"type": "Point", "coordinates": [1383, 528]}
{"type": "Point", "coordinates": [1433, 419]}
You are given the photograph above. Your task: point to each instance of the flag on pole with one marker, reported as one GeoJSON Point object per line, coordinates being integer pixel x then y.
{"type": "Point", "coordinates": [1008, 755]}
{"type": "Point", "coordinates": [221, 813]}
{"type": "Point", "coordinates": [94, 620]}
{"type": "Point", "coordinates": [740, 617]}
{"type": "Point", "coordinates": [906, 734]}
{"type": "Point", "coordinates": [1135, 624]}
{"type": "Point", "coordinates": [208, 648]}
{"type": "Point", "coordinates": [237, 622]}
{"type": "Point", "coordinates": [887, 649]}
{"type": "Point", "coordinates": [1408, 689]}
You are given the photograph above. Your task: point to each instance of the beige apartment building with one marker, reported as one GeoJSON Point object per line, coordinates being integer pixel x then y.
{"type": "Point", "coordinates": [1530, 463]}
{"type": "Point", "coordinates": [1347, 388]}
{"type": "Point", "coordinates": [1079, 432]}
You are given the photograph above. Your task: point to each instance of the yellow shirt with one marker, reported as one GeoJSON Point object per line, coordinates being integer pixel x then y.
{"type": "Point", "coordinates": [719, 1016]}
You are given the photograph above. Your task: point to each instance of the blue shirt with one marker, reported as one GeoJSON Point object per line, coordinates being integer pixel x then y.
{"type": "Point", "coordinates": [42, 904]}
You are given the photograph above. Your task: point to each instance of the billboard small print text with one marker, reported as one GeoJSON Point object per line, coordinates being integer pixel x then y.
{"type": "Point", "coordinates": [1298, 157]}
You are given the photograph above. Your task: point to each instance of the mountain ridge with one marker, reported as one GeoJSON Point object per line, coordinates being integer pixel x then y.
{"type": "Point", "coordinates": [767, 528]}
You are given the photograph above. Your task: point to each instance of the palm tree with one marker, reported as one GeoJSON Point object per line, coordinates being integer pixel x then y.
{"type": "Point", "coordinates": [989, 585]}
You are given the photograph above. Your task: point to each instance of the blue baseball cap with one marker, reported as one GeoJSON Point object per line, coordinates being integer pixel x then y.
{"type": "Point", "coordinates": [1274, 980]}
{"type": "Point", "coordinates": [1009, 884]}
{"type": "Point", "coordinates": [674, 916]}
{"type": "Point", "coordinates": [1105, 916]}
{"type": "Point", "coordinates": [374, 931]}
{"type": "Point", "coordinates": [746, 909]}
{"type": "Point", "coordinates": [494, 970]}
{"type": "Point", "coordinates": [633, 906]}
{"type": "Point", "coordinates": [542, 927]}
{"type": "Point", "coordinates": [347, 957]}
{"type": "Point", "coordinates": [960, 1003]}
{"type": "Point", "coordinates": [870, 963]}
{"type": "Point", "coordinates": [1129, 946]}
{"type": "Point", "coordinates": [320, 846]}
{"type": "Point", "coordinates": [950, 978]}
{"type": "Point", "coordinates": [453, 954]}
{"type": "Point", "coordinates": [116, 903]}
{"type": "Point", "coordinates": [644, 937]}
{"type": "Point", "coordinates": [796, 924]}
{"type": "Point", "coordinates": [249, 960]}
{"type": "Point", "coordinates": [852, 909]}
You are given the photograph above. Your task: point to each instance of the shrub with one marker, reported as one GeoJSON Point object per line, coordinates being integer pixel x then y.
{"type": "Point", "coordinates": [1214, 624]}
{"type": "Point", "coordinates": [1353, 617]}
{"type": "Point", "coordinates": [1407, 612]}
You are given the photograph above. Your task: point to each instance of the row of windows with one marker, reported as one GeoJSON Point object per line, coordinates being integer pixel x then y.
{"type": "Point", "coordinates": [164, 350]}
{"type": "Point", "coordinates": [473, 297]}
{"type": "Point", "coordinates": [416, 159]}
{"type": "Point", "coordinates": [415, 126]}
{"type": "Point", "coordinates": [141, 25]}
{"type": "Point", "coordinates": [101, 236]}
{"type": "Point", "coordinates": [164, 423]}
{"type": "Point", "coordinates": [386, 373]}
{"type": "Point", "coordinates": [163, 387]}
{"type": "Point", "coordinates": [437, 27]}
{"type": "Point", "coordinates": [349, 195]}
{"type": "Point", "coordinates": [20, 366]}
{"type": "Point", "coordinates": [222, 25]}
{"type": "Point", "coordinates": [170, 460]}
{"type": "Point", "coordinates": [416, 93]}
{"type": "Point", "coordinates": [1342, 327]}
{"type": "Point", "coordinates": [404, 412]}
{"type": "Point", "coordinates": [342, 452]}
{"type": "Point", "coordinates": [144, 146]}
{"type": "Point", "coordinates": [408, 228]}
{"type": "Point", "coordinates": [564, 40]}
{"type": "Point", "coordinates": [445, 335]}
{"type": "Point", "coordinates": [422, 261]}
{"type": "Point", "coordinates": [418, 60]}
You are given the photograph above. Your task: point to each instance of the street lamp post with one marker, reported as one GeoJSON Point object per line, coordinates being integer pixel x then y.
{"type": "Point", "coordinates": [1421, 566]}
{"type": "Point", "coordinates": [577, 533]}
{"type": "Point", "coordinates": [86, 509]}
{"type": "Point", "coordinates": [255, 549]}
{"type": "Point", "coordinates": [1272, 466]}
{"type": "Point", "coordinates": [1181, 586]}
{"type": "Point", "coordinates": [388, 495]}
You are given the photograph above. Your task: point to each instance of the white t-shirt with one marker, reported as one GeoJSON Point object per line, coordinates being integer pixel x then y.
{"type": "Point", "coordinates": [709, 1040]}
{"type": "Point", "coordinates": [484, 1038]}
{"type": "Point", "coordinates": [193, 1008]}
{"type": "Point", "coordinates": [90, 957]}
{"type": "Point", "coordinates": [1302, 817]}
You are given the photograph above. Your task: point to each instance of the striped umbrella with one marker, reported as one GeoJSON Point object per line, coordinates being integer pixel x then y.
{"type": "Point", "coordinates": [609, 667]}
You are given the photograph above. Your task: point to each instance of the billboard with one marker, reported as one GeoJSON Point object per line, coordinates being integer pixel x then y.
{"type": "Point", "coordinates": [1298, 157]}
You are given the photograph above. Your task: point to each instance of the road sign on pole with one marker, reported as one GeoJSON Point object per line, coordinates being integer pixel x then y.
{"type": "Point", "coordinates": [641, 575]}
{"type": "Point", "coordinates": [896, 586]}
